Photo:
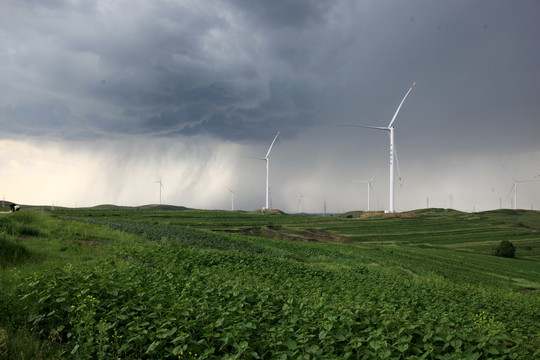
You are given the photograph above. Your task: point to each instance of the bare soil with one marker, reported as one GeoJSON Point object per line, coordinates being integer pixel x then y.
{"type": "Point", "coordinates": [389, 215]}
{"type": "Point", "coordinates": [283, 233]}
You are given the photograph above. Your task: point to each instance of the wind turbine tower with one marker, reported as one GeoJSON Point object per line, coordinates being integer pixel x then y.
{"type": "Point", "coordinates": [515, 185]}
{"type": "Point", "coordinates": [232, 198]}
{"type": "Point", "coordinates": [301, 197]}
{"type": "Point", "coordinates": [369, 187]}
{"type": "Point", "coordinates": [160, 187]}
{"type": "Point", "coordinates": [267, 160]}
{"type": "Point", "coordinates": [390, 129]}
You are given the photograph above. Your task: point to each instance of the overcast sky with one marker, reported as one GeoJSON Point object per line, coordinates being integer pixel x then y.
{"type": "Point", "coordinates": [100, 99]}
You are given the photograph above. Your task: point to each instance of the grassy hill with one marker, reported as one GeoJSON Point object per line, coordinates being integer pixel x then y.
{"type": "Point", "coordinates": [150, 283]}
{"type": "Point", "coordinates": [106, 207]}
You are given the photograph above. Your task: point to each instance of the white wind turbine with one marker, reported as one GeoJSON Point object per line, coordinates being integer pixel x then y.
{"type": "Point", "coordinates": [301, 198]}
{"type": "Point", "coordinates": [232, 198]}
{"type": "Point", "coordinates": [369, 187]}
{"type": "Point", "coordinates": [390, 129]}
{"type": "Point", "coordinates": [160, 187]}
{"type": "Point", "coordinates": [267, 160]}
{"type": "Point", "coordinates": [515, 185]}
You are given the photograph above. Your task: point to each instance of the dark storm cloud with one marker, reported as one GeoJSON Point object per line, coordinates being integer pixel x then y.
{"type": "Point", "coordinates": [295, 14]}
{"type": "Point", "coordinates": [163, 67]}
{"type": "Point", "coordinates": [36, 118]}
{"type": "Point", "coordinates": [240, 70]}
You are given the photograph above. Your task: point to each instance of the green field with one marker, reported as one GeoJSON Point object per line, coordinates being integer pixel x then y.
{"type": "Point", "coordinates": [147, 283]}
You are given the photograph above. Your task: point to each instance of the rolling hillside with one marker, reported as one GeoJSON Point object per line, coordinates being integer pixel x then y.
{"type": "Point", "coordinates": [149, 283]}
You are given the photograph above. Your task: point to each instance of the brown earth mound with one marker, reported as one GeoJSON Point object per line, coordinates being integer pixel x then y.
{"type": "Point", "coordinates": [389, 215]}
{"type": "Point", "coordinates": [283, 233]}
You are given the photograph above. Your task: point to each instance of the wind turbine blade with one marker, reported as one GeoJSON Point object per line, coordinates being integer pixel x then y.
{"type": "Point", "coordinates": [522, 181]}
{"type": "Point", "coordinates": [509, 173]}
{"type": "Point", "coordinates": [374, 194]}
{"type": "Point", "coordinates": [373, 177]}
{"type": "Point", "coordinates": [368, 127]}
{"type": "Point", "coordinates": [510, 191]}
{"type": "Point", "coordinates": [253, 157]}
{"type": "Point", "coordinates": [270, 148]}
{"type": "Point", "coordinates": [397, 162]}
{"type": "Point", "coordinates": [399, 107]}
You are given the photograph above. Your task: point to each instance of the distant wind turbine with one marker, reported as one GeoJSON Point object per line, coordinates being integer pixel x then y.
{"type": "Point", "coordinates": [369, 187]}
{"type": "Point", "coordinates": [515, 185]}
{"type": "Point", "coordinates": [390, 129]}
{"type": "Point", "coordinates": [232, 198]}
{"type": "Point", "coordinates": [267, 160]}
{"type": "Point", "coordinates": [160, 187]}
{"type": "Point", "coordinates": [301, 197]}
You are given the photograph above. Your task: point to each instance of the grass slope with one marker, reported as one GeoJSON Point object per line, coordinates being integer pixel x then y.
{"type": "Point", "coordinates": [117, 283]}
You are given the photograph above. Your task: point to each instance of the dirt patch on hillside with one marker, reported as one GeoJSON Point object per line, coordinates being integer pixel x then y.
{"type": "Point", "coordinates": [268, 212]}
{"type": "Point", "coordinates": [389, 215]}
{"type": "Point", "coordinates": [283, 233]}
{"type": "Point", "coordinates": [91, 242]}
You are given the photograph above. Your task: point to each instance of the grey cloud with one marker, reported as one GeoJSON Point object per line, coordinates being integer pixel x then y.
{"type": "Point", "coordinates": [165, 59]}
{"type": "Point", "coordinates": [294, 14]}
{"type": "Point", "coordinates": [239, 69]}
{"type": "Point", "coordinates": [34, 119]}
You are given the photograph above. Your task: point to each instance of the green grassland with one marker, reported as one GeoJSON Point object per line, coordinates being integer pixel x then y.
{"type": "Point", "coordinates": [175, 283]}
